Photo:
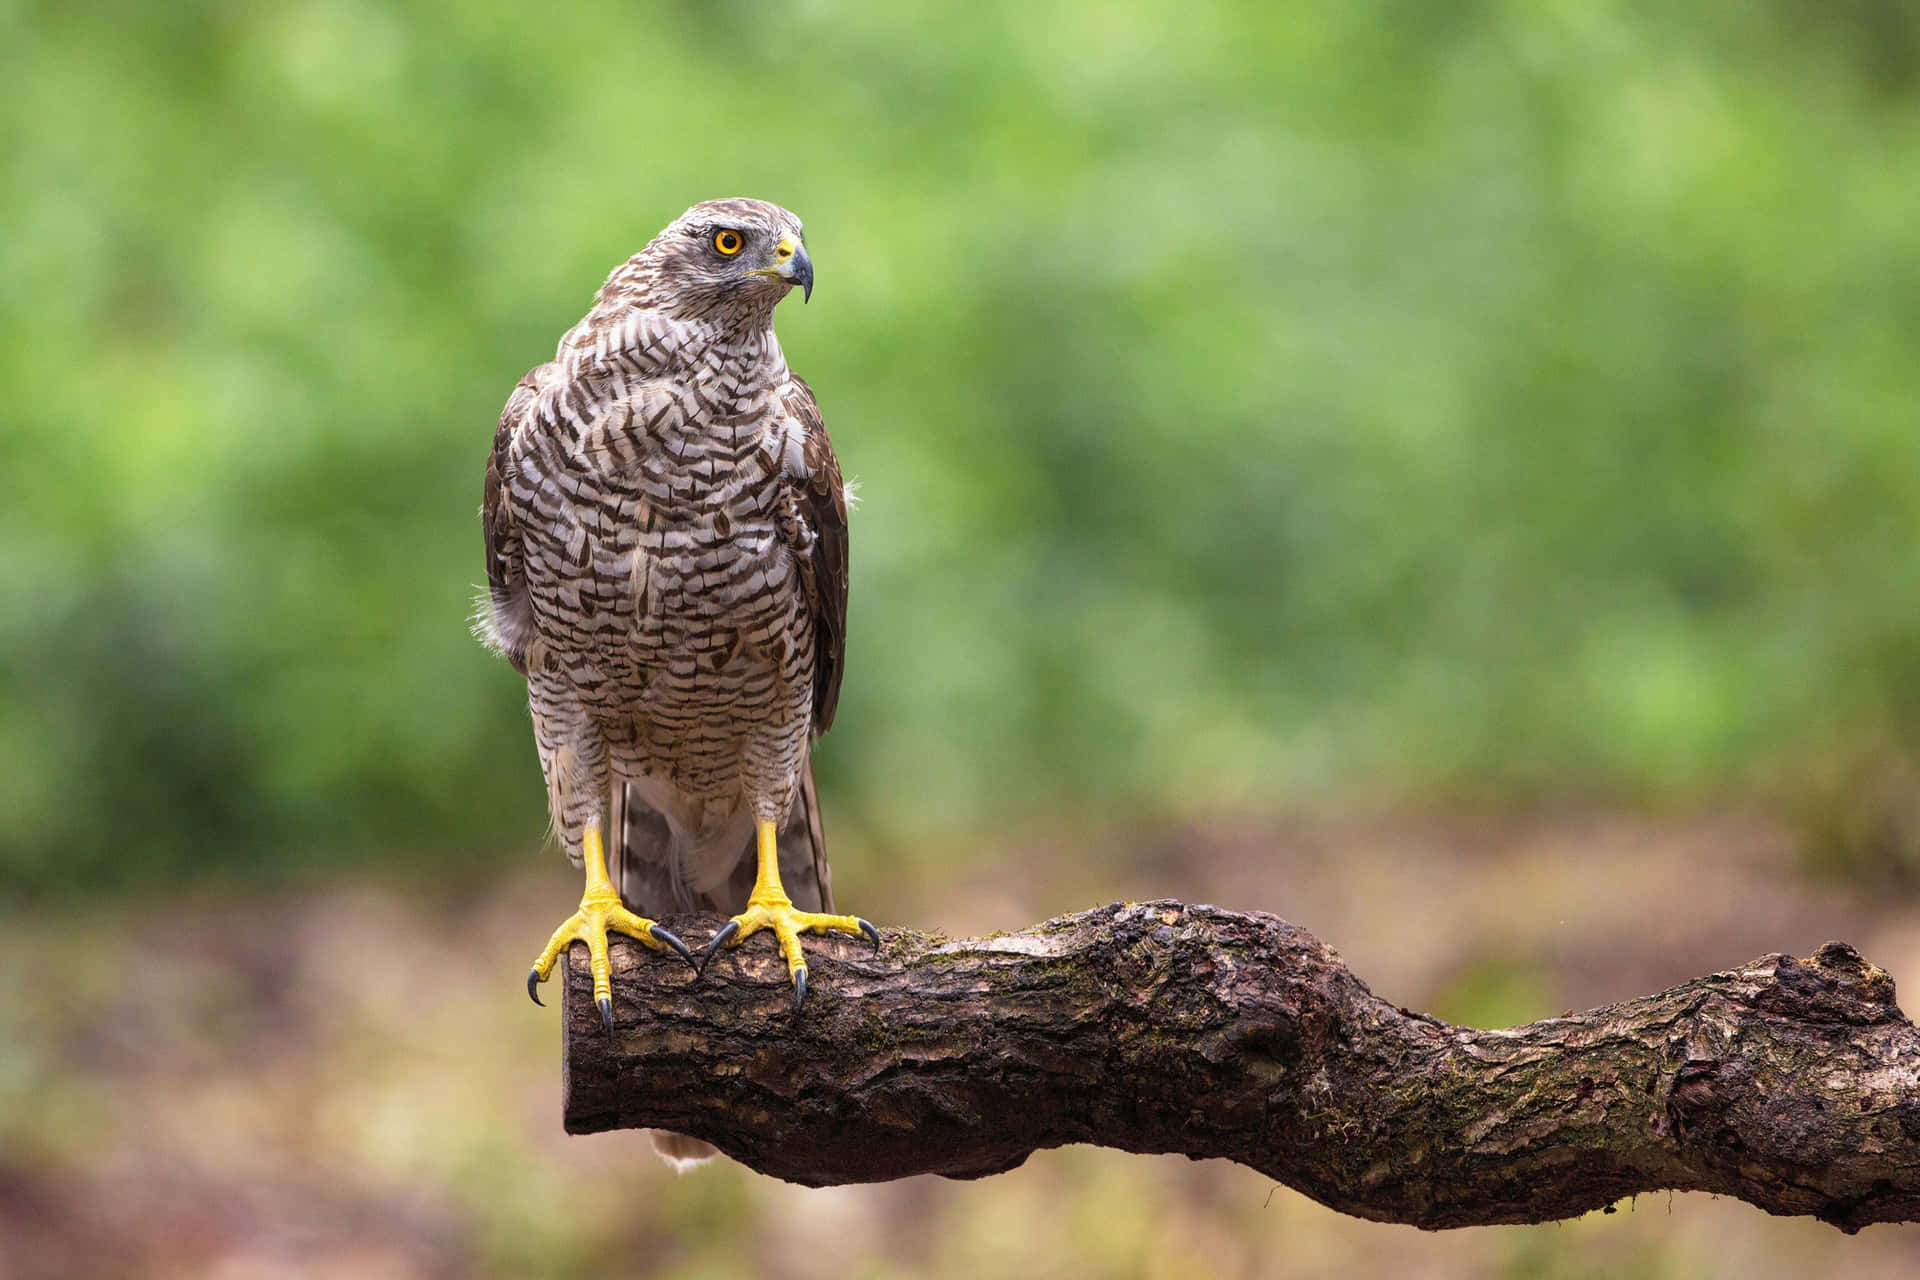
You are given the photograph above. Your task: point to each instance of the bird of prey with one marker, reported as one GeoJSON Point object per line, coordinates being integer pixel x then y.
{"type": "Point", "coordinates": [666, 539]}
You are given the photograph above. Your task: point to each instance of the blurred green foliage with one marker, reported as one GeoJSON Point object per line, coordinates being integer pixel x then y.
{"type": "Point", "coordinates": [1253, 403]}
{"type": "Point", "coordinates": [1495, 991]}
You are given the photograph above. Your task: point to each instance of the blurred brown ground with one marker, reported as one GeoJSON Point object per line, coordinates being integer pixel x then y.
{"type": "Point", "coordinates": [351, 1082]}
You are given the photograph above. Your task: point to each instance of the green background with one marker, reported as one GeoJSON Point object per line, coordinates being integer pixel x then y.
{"type": "Point", "coordinates": [1262, 413]}
{"type": "Point", "coordinates": [1376, 398]}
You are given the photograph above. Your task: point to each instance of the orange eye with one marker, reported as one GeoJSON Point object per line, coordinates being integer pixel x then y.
{"type": "Point", "coordinates": [728, 242]}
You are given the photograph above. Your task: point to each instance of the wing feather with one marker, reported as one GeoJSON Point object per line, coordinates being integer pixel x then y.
{"type": "Point", "coordinates": [822, 499]}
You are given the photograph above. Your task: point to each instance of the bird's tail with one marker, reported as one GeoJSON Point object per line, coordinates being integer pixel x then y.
{"type": "Point", "coordinates": [680, 1151]}
{"type": "Point", "coordinates": [640, 857]}
{"type": "Point", "coordinates": [803, 859]}
{"type": "Point", "coordinates": [642, 862]}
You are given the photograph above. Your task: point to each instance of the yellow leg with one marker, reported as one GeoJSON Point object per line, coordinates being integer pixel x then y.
{"type": "Point", "coordinates": [601, 912]}
{"type": "Point", "coordinates": [769, 907]}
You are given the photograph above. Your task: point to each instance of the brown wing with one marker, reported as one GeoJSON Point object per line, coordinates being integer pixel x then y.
{"type": "Point", "coordinates": [822, 500]}
{"type": "Point", "coordinates": [509, 621]}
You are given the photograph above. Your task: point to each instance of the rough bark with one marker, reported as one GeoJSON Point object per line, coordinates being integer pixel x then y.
{"type": "Point", "coordinates": [1157, 1027]}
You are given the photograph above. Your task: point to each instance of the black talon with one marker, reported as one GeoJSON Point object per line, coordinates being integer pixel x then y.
{"type": "Point", "coordinates": [533, 986]}
{"type": "Point", "coordinates": [799, 988]}
{"type": "Point", "coordinates": [873, 933]}
{"type": "Point", "coordinates": [606, 1012]}
{"type": "Point", "coordinates": [719, 940]}
{"type": "Point", "coordinates": [662, 935]}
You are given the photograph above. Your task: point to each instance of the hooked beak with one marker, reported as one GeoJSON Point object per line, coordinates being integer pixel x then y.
{"type": "Point", "coordinates": [791, 264]}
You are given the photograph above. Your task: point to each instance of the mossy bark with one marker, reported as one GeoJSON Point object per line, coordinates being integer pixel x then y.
{"type": "Point", "coordinates": [1160, 1027]}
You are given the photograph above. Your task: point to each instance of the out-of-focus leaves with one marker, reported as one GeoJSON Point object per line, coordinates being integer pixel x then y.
{"type": "Point", "coordinates": [1252, 402]}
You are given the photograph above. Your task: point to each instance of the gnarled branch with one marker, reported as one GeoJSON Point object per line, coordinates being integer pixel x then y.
{"type": "Point", "coordinates": [1158, 1027]}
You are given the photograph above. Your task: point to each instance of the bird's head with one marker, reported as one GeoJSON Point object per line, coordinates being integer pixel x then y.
{"type": "Point", "coordinates": [734, 255]}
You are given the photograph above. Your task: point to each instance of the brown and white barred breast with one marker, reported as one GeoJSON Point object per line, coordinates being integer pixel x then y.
{"type": "Point", "coordinates": [655, 483]}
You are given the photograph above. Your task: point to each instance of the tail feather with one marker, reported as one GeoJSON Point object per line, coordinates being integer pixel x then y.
{"type": "Point", "coordinates": [617, 835]}
{"type": "Point", "coordinates": [809, 838]}
{"type": "Point", "coordinates": [642, 861]}
{"type": "Point", "coordinates": [682, 1152]}
{"type": "Point", "coordinates": [646, 856]}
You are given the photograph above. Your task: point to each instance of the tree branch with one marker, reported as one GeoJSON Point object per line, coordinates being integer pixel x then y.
{"type": "Point", "coordinates": [1157, 1027]}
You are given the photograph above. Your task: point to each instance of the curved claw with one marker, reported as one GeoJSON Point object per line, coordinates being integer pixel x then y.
{"type": "Point", "coordinates": [872, 933]}
{"type": "Point", "coordinates": [606, 1012]}
{"type": "Point", "coordinates": [799, 988]}
{"type": "Point", "coordinates": [662, 935]}
{"type": "Point", "coordinates": [719, 940]}
{"type": "Point", "coordinates": [533, 987]}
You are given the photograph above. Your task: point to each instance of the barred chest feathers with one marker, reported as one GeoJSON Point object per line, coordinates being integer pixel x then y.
{"type": "Point", "coordinates": [676, 463]}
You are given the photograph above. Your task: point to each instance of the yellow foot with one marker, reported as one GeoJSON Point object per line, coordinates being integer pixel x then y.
{"type": "Point", "coordinates": [788, 922]}
{"type": "Point", "coordinates": [601, 913]}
